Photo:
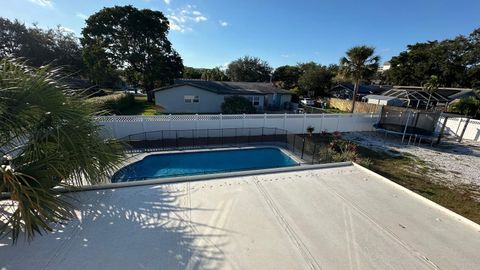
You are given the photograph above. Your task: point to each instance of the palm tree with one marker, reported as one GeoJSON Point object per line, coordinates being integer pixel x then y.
{"type": "Point", "coordinates": [47, 139]}
{"type": "Point", "coordinates": [359, 64]}
{"type": "Point", "coordinates": [430, 86]}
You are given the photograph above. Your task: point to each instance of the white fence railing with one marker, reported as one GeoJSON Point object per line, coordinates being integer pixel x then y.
{"type": "Point", "coordinates": [455, 126]}
{"type": "Point", "coordinates": [122, 126]}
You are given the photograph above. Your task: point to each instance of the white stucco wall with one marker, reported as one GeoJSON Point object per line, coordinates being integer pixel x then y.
{"type": "Point", "coordinates": [172, 100]}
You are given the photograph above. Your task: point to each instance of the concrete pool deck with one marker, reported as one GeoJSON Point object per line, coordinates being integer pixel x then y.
{"type": "Point", "coordinates": [332, 218]}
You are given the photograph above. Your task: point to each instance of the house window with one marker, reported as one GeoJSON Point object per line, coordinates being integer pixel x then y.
{"type": "Point", "coordinates": [255, 100]}
{"type": "Point", "coordinates": [191, 99]}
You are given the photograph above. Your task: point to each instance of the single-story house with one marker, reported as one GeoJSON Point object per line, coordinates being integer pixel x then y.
{"type": "Point", "coordinates": [201, 96]}
{"type": "Point", "coordinates": [345, 90]}
{"type": "Point", "coordinates": [382, 100]}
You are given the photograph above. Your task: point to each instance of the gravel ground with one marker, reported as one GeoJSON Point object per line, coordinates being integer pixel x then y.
{"type": "Point", "coordinates": [451, 162]}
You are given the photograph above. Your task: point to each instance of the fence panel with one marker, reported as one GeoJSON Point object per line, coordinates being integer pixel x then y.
{"type": "Point", "coordinates": [122, 126]}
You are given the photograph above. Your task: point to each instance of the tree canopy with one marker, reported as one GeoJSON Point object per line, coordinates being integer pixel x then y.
{"type": "Point", "coordinates": [39, 46]}
{"type": "Point", "coordinates": [287, 76]}
{"type": "Point", "coordinates": [456, 62]}
{"type": "Point", "coordinates": [133, 41]}
{"type": "Point", "coordinates": [360, 63]}
{"type": "Point", "coordinates": [315, 79]}
{"type": "Point", "coordinates": [249, 69]}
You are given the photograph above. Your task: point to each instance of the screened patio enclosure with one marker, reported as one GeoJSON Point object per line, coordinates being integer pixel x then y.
{"type": "Point", "coordinates": [417, 99]}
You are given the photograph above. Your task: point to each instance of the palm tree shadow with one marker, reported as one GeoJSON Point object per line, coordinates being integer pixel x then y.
{"type": "Point", "coordinates": [146, 227]}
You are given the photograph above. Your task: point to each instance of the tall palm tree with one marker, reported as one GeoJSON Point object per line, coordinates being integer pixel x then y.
{"type": "Point", "coordinates": [359, 64]}
{"type": "Point", "coordinates": [47, 139]}
{"type": "Point", "coordinates": [430, 86]}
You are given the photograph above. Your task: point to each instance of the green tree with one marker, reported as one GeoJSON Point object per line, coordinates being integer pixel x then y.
{"type": "Point", "coordinates": [315, 79]}
{"type": "Point", "coordinates": [134, 41]}
{"type": "Point", "coordinates": [214, 74]}
{"type": "Point", "coordinates": [431, 86]}
{"type": "Point", "coordinates": [40, 46]}
{"type": "Point", "coordinates": [469, 106]}
{"type": "Point", "coordinates": [456, 62]}
{"type": "Point", "coordinates": [249, 69]}
{"type": "Point", "coordinates": [359, 64]}
{"type": "Point", "coordinates": [192, 73]}
{"type": "Point", "coordinates": [237, 105]}
{"type": "Point", "coordinates": [47, 139]}
{"type": "Point", "coordinates": [286, 77]}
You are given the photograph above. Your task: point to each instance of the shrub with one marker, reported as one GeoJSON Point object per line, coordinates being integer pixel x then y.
{"type": "Point", "coordinates": [114, 103]}
{"type": "Point", "coordinates": [237, 105]}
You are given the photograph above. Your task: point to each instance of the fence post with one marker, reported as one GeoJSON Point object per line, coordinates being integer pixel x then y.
{"type": "Point", "coordinates": [313, 153]}
{"type": "Point", "coordinates": [221, 122]}
{"type": "Point", "coordinates": [196, 121]}
{"type": "Point", "coordinates": [243, 121]}
{"type": "Point", "coordinates": [464, 129]}
{"type": "Point", "coordinates": [442, 129]}
{"type": "Point", "coordinates": [176, 138]}
{"type": "Point", "coordinates": [264, 119]}
{"type": "Point", "coordinates": [303, 146]}
{"type": "Point", "coordinates": [304, 122]}
{"type": "Point", "coordinates": [285, 121]}
{"type": "Point", "coordinates": [293, 146]}
{"type": "Point", "coordinates": [193, 138]}
{"type": "Point", "coordinates": [170, 121]}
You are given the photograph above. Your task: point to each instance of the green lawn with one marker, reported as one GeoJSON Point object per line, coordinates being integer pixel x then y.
{"type": "Point", "coordinates": [413, 174]}
{"type": "Point", "coordinates": [142, 107]}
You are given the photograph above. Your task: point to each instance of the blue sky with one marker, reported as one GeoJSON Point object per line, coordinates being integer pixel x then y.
{"type": "Point", "coordinates": [209, 33]}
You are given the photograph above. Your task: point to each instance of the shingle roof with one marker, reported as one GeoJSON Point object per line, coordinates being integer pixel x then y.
{"type": "Point", "coordinates": [229, 88]}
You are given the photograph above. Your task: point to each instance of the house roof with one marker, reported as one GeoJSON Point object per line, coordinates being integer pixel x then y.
{"type": "Point", "coordinates": [229, 88]}
{"type": "Point", "coordinates": [295, 220]}
{"type": "Point", "coordinates": [362, 89]}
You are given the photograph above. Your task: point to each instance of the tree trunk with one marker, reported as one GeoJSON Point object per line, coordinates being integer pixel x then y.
{"type": "Point", "coordinates": [150, 95]}
{"type": "Point", "coordinates": [354, 97]}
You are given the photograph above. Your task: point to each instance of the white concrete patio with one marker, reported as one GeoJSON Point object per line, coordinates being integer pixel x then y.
{"type": "Point", "coordinates": [335, 218]}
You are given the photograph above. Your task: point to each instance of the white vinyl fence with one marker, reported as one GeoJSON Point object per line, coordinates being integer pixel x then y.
{"type": "Point", "coordinates": [122, 126]}
{"type": "Point", "coordinates": [455, 126]}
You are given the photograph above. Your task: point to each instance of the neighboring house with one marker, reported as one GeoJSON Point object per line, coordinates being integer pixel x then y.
{"type": "Point", "coordinates": [386, 66]}
{"type": "Point", "coordinates": [200, 96]}
{"type": "Point", "coordinates": [382, 100]}
{"type": "Point", "coordinates": [345, 90]}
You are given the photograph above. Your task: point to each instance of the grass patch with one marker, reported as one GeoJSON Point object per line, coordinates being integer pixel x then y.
{"type": "Point", "coordinates": [141, 107]}
{"type": "Point", "coordinates": [413, 174]}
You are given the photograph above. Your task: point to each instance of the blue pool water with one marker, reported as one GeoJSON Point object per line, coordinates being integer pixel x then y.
{"type": "Point", "coordinates": [194, 163]}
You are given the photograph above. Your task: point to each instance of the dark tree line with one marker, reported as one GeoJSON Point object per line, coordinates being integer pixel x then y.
{"type": "Point", "coordinates": [39, 46]}
{"type": "Point", "coordinates": [456, 63]}
{"type": "Point", "coordinates": [120, 43]}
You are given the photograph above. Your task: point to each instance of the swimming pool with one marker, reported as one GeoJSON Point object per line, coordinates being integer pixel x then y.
{"type": "Point", "coordinates": [203, 162]}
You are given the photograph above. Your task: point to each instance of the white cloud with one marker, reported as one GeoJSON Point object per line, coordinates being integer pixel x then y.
{"type": "Point", "coordinates": [200, 19]}
{"type": "Point", "coordinates": [181, 19]}
{"type": "Point", "coordinates": [167, 2]}
{"type": "Point", "coordinates": [66, 29]}
{"type": "Point", "coordinates": [43, 3]}
{"type": "Point", "coordinates": [223, 23]}
{"type": "Point", "coordinates": [81, 15]}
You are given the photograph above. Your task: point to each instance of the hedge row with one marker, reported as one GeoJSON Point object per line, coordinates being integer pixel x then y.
{"type": "Point", "coordinates": [114, 103]}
